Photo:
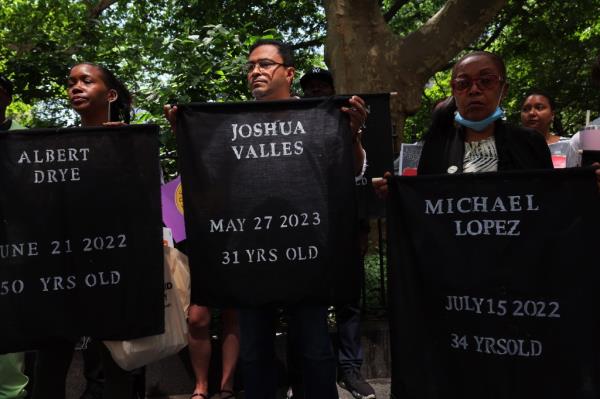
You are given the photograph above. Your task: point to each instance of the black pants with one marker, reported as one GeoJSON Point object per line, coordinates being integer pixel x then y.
{"type": "Point", "coordinates": [308, 324]}
{"type": "Point", "coordinates": [52, 367]}
{"type": "Point", "coordinates": [350, 354]}
{"type": "Point", "coordinates": [349, 347]}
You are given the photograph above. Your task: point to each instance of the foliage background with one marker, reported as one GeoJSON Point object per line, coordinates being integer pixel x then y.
{"type": "Point", "coordinates": [546, 45]}
{"type": "Point", "coordinates": [174, 50]}
{"type": "Point", "coordinates": [169, 51]}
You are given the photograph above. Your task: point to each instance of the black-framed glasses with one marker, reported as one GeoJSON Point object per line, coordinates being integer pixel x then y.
{"type": "Point", "coordinates": [484, 82]}
{"type": "Point", "coordinates": [263, 65]}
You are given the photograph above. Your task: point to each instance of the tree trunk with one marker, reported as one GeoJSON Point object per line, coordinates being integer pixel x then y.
{"type": "Point", "coordinates": [365, 56]}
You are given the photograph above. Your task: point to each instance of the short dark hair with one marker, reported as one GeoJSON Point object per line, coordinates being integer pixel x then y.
{"type": "Point", "coordinates": [496, 59]}
{"type": "Point", "coordinates": [316, 74]}
{"type": "Point", "coordinates": [284, 50]}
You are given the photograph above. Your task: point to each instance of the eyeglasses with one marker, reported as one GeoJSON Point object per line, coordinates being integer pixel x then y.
{"type": "Point", "coordinates": [485, 82]}
{"type": "Point", "coordinates": [263, 65]}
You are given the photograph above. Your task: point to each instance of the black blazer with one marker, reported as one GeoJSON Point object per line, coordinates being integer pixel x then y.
{"type": "Point", "coordinates": [518, 148]}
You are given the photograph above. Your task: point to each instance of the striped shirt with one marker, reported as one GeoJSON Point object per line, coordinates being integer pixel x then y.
{"type": "Point", "coordinates": [480, 156]}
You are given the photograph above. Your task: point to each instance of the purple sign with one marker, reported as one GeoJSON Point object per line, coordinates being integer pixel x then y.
{"type": "Point", "coordinates": [172, 208]}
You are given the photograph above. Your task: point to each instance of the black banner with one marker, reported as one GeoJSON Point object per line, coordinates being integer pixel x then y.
{"type": "Point", "coordinates": [494, 285]}
{"type": "Point", "coordinates": [269, 200]}
{"type": "Point", "coordinates": [81, 235]}
{"type": "Point", "coordinates": [378, 143]}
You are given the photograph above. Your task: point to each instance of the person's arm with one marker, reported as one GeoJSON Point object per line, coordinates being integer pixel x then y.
{"type": "Point", "coordinates": [358, 116]}
{"type": "Point", "coordinates": [380, 185]}
{"type": "Point", "coordinates": [573, 154]}
{"type": "Point", "coordinates": [114, 124]}
{"type": "Point", "coordinates": [170, 113]}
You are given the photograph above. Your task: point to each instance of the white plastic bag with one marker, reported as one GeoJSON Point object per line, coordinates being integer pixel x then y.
{"type": "Point", "coordinates": [142, 351]}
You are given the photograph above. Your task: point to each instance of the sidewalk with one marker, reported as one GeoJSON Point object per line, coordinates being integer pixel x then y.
{"type": "Point", "coordinates": [172, 377]}
{"type": "Point", "coordinates": [381, 386]}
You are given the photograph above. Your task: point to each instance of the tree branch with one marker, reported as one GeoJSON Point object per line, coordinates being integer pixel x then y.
{"type": "Point", "coordinates": [446, 67]}
{"type": "Point", "coordinates": [508, 17]}
{"type": "Point", "coordinates": [102, 5]}
{"type": "Point", "coordinates": [309, 43]}
{"type": "Point", "coordinates": [439, 85]}
{"type": "Point", "coordinates": [495, 35]}
{"type": "Point", "coordinates": [394, 10]}
{"type": "Point", "coordinates": [440, 39]}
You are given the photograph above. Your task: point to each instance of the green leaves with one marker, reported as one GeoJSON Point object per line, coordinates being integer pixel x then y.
{"type": "Point", "coordinates": [546, 45]}
{"type": "Point", "coordinates": [181, 51]}
{"type": "Point", "coordinates": [165, 51]}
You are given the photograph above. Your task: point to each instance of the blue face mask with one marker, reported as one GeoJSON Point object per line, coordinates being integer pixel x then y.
{"type": "Point", "coordinates": [482, 124]}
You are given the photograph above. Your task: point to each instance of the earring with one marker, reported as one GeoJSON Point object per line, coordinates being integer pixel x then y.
{"type": "Point", "coordinates": [108, 115]}
{"type": "Point", "coordinates": [116, 96]}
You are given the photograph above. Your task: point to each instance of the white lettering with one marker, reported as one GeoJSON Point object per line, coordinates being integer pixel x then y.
{"type": "Point", "coordinates": [430, 209]}
{"type": "Point", "coordinates": [459, 205]}
{"type": "Point", "coordinates": [530, 205]}
{"type": "Point", "coordinates": [56, 175]}
{"type": "Point", "coordinates": [24, 157]}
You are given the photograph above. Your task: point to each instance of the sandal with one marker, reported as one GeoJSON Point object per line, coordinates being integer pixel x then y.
{"type": "Point", "coordinates": [199, 395]}
{"type": "Point", "coordinates": [226, 394]}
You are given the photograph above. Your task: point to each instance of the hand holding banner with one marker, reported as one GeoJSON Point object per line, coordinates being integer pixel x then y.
{"type": "Point", "coordinates": [493, 282]}
{"type": "Point", "coordinates": [269, 202]}
{"type": "Point", "coordinates": [80, 243]}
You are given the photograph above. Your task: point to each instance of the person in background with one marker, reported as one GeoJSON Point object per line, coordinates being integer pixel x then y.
{"type": "Point", "coordinates": [199, 346]}
{"type": "Point", "coordinates": [100, 99]}
{"type": "Point", "coordinates": [574, 154]}
{"type": "Point", "coordinates": [538, 112]}
{"type": "Point", "coordinates": [318, 82]}
{"type": "Point", "coordinates": [12, 378]}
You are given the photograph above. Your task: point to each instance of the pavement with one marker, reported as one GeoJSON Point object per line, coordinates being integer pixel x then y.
{"type": "Point", "coordinates": [381, 386]}
{"type": "Point", "coordinates": [171, 375]}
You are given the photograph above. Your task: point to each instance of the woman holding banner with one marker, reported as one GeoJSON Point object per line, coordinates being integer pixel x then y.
{"type": "Point", "coordinates": [478, 140]}
{"type": "Point", "coordinates": [467, 133]}
{"type": "Point", "coordinates": [100, 99]}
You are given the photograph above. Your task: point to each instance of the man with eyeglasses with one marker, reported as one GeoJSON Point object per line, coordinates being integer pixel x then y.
{"type": "Point", "coordinates": [270, 72]}
{"type": "Point", "coordinates": [12, 379]}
